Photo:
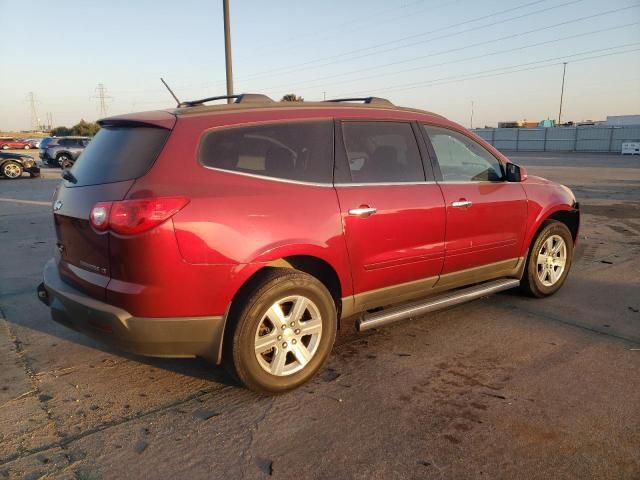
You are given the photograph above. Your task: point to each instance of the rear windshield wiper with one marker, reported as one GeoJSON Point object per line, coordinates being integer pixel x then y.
{"type": "Point", "coordinates": [70, 177]}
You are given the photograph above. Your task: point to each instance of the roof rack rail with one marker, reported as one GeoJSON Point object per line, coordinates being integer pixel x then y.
{"type": "Point", "coordinates": [367, 100]}
{"type": "Point", "coordinates": [240, 98]}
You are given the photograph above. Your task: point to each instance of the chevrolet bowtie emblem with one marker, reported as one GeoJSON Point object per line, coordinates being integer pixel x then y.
{"type": "Point", "coordinates": [57, 206]}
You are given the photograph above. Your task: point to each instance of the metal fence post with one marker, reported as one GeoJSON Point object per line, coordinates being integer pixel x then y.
{"type": "Point", "coordinates": [493, 137]}
{"type": "Point", "coordinates": [544, 146]}
{"type": "Point", "coordinates": [517, 139]}
{"type": "Point", "coordinates": [575, 140]}
{"type": "Point", "coordinates": [610, 138]}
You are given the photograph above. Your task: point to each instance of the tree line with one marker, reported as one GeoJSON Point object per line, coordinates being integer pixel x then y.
{"type": "Point", "coordinates": [81, 129]}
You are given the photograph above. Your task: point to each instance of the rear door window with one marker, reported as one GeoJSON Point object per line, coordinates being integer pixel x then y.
{"type": "Point", "coordinates": [301, 151]}
{"type": "Point", "coordinates": [117, 154]}
{"type": "Point", "coordinates": [382, 152]}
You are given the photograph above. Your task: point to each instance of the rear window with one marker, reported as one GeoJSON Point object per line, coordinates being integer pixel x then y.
{"type": "Point", "coordinates": [117, 154]}
{"type": "Point", "coordinates": [300, 151]}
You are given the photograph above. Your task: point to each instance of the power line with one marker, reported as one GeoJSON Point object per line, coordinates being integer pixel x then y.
{"type": "Point", "coordinates": [475, 57]}
{"type": "Point", "coordinates": [481, 74]}
{"type": "Point", "coordinates": [304, 65]}
{"type": "Point", "coordinates": [341, 26]}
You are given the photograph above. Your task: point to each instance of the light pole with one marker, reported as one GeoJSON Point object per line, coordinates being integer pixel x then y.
{"type": "Point", "coordinates": [471, 114]}
{"type": "Point", "coordinates": [564, 70]}
{"type": "Point", "coordinates": [227, 49]}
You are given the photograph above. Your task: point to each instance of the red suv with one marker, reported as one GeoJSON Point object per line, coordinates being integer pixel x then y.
{"type": "Point", "coordinates": [244, 233]}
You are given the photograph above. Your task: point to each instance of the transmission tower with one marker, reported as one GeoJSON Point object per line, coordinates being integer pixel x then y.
{"type": "Point", "coordinates": [101, 95]}
{"type": "Point", "coordinates": [35, 121]}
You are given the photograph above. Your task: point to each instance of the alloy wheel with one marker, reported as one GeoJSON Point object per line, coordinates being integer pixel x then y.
{"type": "Point", "coordinates": [551, 260]}
{"type": "Point", "coordinates": [288, 335]}
{"type": "Point", "coordinates": [12, 170]}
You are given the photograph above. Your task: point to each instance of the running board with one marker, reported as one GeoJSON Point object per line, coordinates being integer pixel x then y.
{"type": "Point", "coordinates": [384, 317]}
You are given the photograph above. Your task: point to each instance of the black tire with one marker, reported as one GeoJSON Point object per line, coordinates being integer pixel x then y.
{"type": "Point", "coordinates": [27, 147]}
{"type": "Point", "coordinates": [5, 147]}
{"type": "Point", "coordinates": [34, 175]}
{"type": "Point", "coordinates": [239, 355]}
{"type": "Point", "coordinates": [64, 161]}
{"type": "Point", "coordinates": [531, 283]}
{"type": "Point", "coordinates": [12, 170]}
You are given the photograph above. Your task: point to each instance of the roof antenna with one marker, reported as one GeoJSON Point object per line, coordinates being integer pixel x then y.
{"type": "Point", "coordinates": [170, 91]}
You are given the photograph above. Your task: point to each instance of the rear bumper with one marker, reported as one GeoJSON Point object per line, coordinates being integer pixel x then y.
{"type": "Point", "coordinates": [156, 337]}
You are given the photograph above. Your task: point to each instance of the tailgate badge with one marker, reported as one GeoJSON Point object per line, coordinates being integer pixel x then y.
{"type": "Point", "coordinates": [57, 206]}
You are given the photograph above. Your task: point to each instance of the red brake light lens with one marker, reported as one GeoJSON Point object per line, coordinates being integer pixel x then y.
{"type": "Point", "coordinates": [131, 217]}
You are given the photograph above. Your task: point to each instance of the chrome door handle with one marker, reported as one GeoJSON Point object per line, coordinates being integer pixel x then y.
{"type": "Point", "coordinates": [363, 211]}
{"type": "Point", "coordinates": [461, 204]}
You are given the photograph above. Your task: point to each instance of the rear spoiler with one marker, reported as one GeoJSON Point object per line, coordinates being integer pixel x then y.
{"type": "Point", "coordinates": [157, 118]}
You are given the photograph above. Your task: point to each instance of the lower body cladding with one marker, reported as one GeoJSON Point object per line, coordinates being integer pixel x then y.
{"type": "Point", "coordinates": [156, 337]}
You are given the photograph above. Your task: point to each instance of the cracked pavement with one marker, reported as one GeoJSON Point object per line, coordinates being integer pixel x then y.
{"type": "Point", "coordinates": [502, 387]}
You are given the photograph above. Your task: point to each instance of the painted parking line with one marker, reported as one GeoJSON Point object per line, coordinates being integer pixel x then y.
{"type": "Point", "coordinates": [26, 202]}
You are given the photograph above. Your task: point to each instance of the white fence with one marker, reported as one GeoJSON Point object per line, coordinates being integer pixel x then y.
{"type": "Point", "coordinates": [560, 139]}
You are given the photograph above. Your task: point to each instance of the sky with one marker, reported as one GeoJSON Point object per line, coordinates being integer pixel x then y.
{"type": "Point", "coordinates": [503, 57]}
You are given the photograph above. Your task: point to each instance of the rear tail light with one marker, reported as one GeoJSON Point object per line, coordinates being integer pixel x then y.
{"type": "Point", "coordinates": [131, 217]}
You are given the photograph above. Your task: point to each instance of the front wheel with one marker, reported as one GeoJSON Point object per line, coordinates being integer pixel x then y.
{"type": "Point", "coordinates": [549, 260]}
{"type": "Point", "coordinates": [282, 334]}
{"type": "Point", "coordinates": [27, 147]}
{"type": "Point", "coordinates": [12, 170]}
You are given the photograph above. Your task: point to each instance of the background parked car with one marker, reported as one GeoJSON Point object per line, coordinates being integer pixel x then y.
{"type": "Point", "coordinates": [63, 151]}
{"type": "Point", "coordinates": [14, 143]}
{"type": "Point", "coordinates": [34, 142]}
{"type": "Point", "coordinates": [13, 165]}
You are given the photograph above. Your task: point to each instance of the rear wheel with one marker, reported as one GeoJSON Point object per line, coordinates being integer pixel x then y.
{"type": "Point", "coordinates": [12, 170]}
{"type": "Point", "coordinates": [549, 260]}
{"type": "Point", "coordinates": [282, 334]}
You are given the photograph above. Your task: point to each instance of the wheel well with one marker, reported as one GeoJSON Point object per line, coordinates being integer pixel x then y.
{"type": "Point", "coordinates": [570, 218]}
{"type": "Point", "coordinates": [322, 271]}
{"type": "Point", "coordinates": [305, 263]}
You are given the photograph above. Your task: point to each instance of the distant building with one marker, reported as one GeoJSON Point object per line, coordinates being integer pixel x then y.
{"type": "Point", "coordinates": [526, 124]}
{"type": "Point", "coordinates": [622, 120]}
{"type": "Point", "coordinates": [511, 124]}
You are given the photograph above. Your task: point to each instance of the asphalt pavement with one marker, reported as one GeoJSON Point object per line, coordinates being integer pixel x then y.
{"type": "Point", "coordinates": [502, 387]}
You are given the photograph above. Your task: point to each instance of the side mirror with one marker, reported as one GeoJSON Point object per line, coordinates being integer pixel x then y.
{"type": "Point", "coordinates": [515, 173]}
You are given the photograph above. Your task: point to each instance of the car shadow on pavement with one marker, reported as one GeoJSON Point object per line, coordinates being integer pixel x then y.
{"type": "Point", "coordinates": [190, 367]}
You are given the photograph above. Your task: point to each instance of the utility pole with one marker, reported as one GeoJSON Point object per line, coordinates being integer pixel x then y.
{"type": "Point", "coordinates": [564, 70]}
{"type": "Point", "coordinates": [227, 48]}
{"type": "Point", "coordinates": [471, 114]}
{"type": "Point", "coordinates": [35, 121]}
{"type": "Point", "coordinates": [102, 96]}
